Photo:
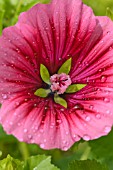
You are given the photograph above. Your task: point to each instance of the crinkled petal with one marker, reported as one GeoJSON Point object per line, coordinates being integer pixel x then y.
{"type": "Point", "coordinates": [49, 35]}
{"type": "Point", "coordinates": [96, 66]}
{"type": "Point", "coordinates": [37, 121]}
{"type": "Point", "coordinates": [63, 28]}
{"type": "Point", "coordinates": [91, 112]}
{"type": "Point", "coordinates": [19, 69]}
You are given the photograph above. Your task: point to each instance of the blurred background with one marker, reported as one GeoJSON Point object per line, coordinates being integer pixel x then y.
{"type": "Point", "coordinates": [10, 9]}
{"type": "Point", "coordinates": [100, 149]}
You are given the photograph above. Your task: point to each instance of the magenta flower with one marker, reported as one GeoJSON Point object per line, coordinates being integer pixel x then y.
{"type": "Point", "coordinates": [56, 75]}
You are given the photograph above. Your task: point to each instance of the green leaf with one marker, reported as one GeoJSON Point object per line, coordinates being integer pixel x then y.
{"type": "Point", "coordinates": [74, 88]}
{"type": "Point", "coordinates": [60, 101]}
{"type": "Point", "coordinates": [40, 162]}
{"type": "Point", "coordinates": [109, 13]}
{"type": "Point", "coordinates": [44, 74]}
{"type": "Point", "coordinates": [86, 165]}
{"type": "Point", "coordinates": [66, 67]}
{"type": "Point", "coordinates": [42, 92]}
{"type": "Point", "coordinates": [9, 163]}
{"type": "Point", "coordinates": [102, 149]}
{"type": "Point", "coordinates": [1, 20]}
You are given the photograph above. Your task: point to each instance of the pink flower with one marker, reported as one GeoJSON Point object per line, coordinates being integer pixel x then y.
{"type": "Point", "coordinates": [50, 35]}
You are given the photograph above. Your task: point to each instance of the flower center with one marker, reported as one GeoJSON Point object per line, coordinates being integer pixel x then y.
{"type": "Point", "coordinates": [60, 82]}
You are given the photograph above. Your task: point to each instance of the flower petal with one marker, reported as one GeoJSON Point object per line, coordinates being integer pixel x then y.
{"type": "Point", "coordinates": [18, 67]}
{"type": "Point", "coordinates": [95, 66]}
{"type": "Point", "coordinates": [35, 120]}
{"type": "Point", "coordinates": [91, 112]}
{"type": "Point", "coordinates": [63, 28]}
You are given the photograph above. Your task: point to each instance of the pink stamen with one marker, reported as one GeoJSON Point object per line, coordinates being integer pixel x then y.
{"type": "Point", "coordinates": [60, 82]}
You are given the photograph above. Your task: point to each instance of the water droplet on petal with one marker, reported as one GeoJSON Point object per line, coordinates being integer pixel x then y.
{"type": "Point", "coordinates": [64, 141]}
{"type": "Point", "coordinates": [58, 121]}
{"type": "Point", "coordinates": [103, 78]}
{"type": "Point", "coordinates": [45, 140]}
{"type": "Point", "coordinates": [67, 133]}
{"type": "Point", "coordinates": [65, 148]}
{"type": "Point", "coordinates": [42, 145]}
{"type": "Point", "coordinates": [91, 106]}
{"type": "Point", "coordinates": [87, 118]}
{"type": "Point", "coordinates": [62, 109]}
{"type": "Point", "coordinates": [86, 137]}
{"type": "Point", "coordinates": [4, 96]}
{"type": "Point", "coordinates": [29, 136]}
{"type": "Point", "coordinates": [107, 100]}
{"type": "Point", "coordinates": [35, 105]}
{"type": "Point", "coordinates": [25, 130]}
{"type": "Point", "coordinates": [98, 116]}
{"type": "Point", "coordinates": [78, 106]}
{"type": "Point", "coordinates": [11, 123]}
{"type": "Point", "coordinates": [17, 103]}
{"type": "Point", "coordinates": [60, 58]}
{"type": "Point", "coordinates": [46, 107]}
{"type": "Point", "coordinates": [107, 129]}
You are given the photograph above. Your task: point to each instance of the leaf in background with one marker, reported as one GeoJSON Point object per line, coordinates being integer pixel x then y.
{"type": "Point", "coordinates": [109, 13]}
{"type": "Point", "coordinates": [40, 162]}
{"type": "Point", "coordinates": [86, 165]}
{"type": "Point", "coordinates": [79, 151]}
{"type": "Point", "coordinates": [102, 149]}
{"type": "Point", "coordinates": [9, 163]}
{"type": "Point", "coordinates": [1, 19]}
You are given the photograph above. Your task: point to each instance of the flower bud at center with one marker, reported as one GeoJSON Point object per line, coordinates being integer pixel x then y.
{"type": "Point", "coordinates": [60, 82]}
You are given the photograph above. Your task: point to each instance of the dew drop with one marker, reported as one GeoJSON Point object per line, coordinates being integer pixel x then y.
{"type": "Point", "coordinates": [35, 105]}
{"type": "Point", "coordinates": [98, 116]}
{"type": "Point", "coordinates": [25, 130]}
{"type": "Point", "coordinates": [67, 133]}
{"type": "Point", "coordinates": [107, 100]}
{"type": "Point", "coordinates": [17, 103]}
{"type": "Point", "coordinates": [78, 106]}
{"type": "Point", "coordinates": [108, 112]}
{"type": "Point", "coordinates": [11, 123]}
{"type": "Point", "coordinates": [60, 58]}
{"type": "Point", "coordinates": [45, 140]}
{"type": "Point", "coordinates": [46, 107]}
{"type": "Point", "coordinates": [86, 137]}
{"type": "Point", "coordinates": [103, 78]}
{"type": "Point", "coordinates": [64, 141]}
{"type": "Point", "coordinates": [58, 121]}
{"type": "Point", "coordinates": [110, 48]}
{"type": "Point", "coordinates": [87, 118]}
{"type": "Point", "coordinates": [29, 136]}
{"type": "Point", "coordinates": [15, 114]}
{"type": "Point", "coordinates": [4, 96]}
{"type": "Point", "coordinates": [74, 136]}
{"type": "Point", "coordinates": [107, 129]}
{"type": "Point", "coordinates": [65, 148]}
{"type": "Point", "coordinates": [91, 107]}
{"type": "Point", "coordinates": [42, 145]}
{"type": "Point", "coordinates": [62, 109]}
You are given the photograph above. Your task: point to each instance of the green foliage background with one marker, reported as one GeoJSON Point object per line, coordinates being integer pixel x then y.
{"type": "Point", "coordinates": [100, 149]}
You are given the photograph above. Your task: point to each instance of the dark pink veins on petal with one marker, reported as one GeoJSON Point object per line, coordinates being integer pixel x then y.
{"type": "Point", "coordinates": [50, 34]}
